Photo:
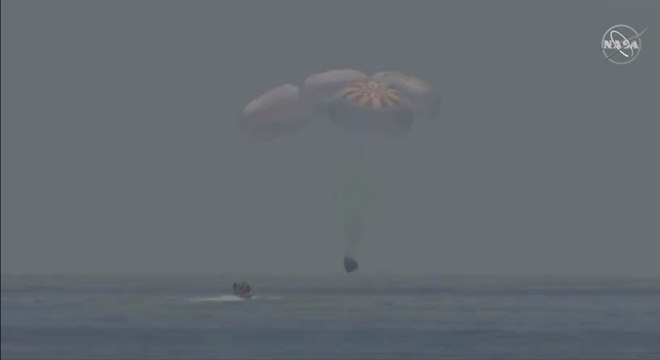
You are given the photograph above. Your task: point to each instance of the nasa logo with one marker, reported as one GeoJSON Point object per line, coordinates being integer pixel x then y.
{"type": "Point", "coordinates": [621, 44]}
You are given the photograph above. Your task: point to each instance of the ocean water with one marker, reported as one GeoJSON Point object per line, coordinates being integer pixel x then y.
{"type": "Point", "coordinates": [346, 317]}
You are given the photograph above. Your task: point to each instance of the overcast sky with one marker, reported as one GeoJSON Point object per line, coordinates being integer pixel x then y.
{"type": "Point", "coordinates": [120, 147]}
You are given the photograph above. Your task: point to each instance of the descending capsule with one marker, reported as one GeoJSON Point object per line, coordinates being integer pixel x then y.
{"type": "Point", "coordinates": [371, 109]}
{"type": "Point", "coordinates": [277, 113]}
{"type": "Point", "coordinates": [350, 264]}
{"type": "Point", "coordinates": [424, 102]}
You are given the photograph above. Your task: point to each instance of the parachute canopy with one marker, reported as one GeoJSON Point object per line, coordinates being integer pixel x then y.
{"type": "Point", "coordinates": [319, 88]}
{"type": "Point", "coordinates": [277, 113]}
{"type": "Point", "coordinates": [424, 102]}
{"type": "Point", "coordinates": [371, 109]}
{"type": "Point", "coordinates": [383, 105]}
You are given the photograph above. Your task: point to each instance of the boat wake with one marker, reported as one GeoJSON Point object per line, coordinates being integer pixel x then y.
{"type": "Point", "coordinates": [257, 297]}
{"type": "Point", "coordinates": [232, 298]}
{"type": "Point", "coordinates": [221, 298]}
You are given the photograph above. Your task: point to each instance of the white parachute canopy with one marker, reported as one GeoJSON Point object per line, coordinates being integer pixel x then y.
{"type": "Point", "coordinates": [278, 113]}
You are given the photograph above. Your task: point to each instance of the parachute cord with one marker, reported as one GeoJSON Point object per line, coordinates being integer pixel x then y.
{"type": "Point", "coordinates": [358, 159]}
{"type": "Point", "coordinates": [354, 221]}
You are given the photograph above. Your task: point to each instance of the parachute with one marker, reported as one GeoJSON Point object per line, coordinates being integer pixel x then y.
{"type": "Point", "coordinates": [424, 102]}
{"type": "Point", "coordinates": [371, 110]}
{"type": "Point", "coordinates": [368, 108]}
{"type": "Point", "coordinates": [319, 88]}
{"type": "Point", "coordinates": [276, 114]}
{"type": "Point", "coordinates": [368, 111]}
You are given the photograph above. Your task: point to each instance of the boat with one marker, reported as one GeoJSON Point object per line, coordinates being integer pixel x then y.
{"type": "Point", "coordinates": [243, 290]}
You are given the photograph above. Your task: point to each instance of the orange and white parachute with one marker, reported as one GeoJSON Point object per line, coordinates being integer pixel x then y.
{"type": "Point", "coordinates": [371, 109]}
{"type": "Point", "coordinates": [379, 106]}
{"type": "Point", "coordinates": [423, 99]}
{"type": "Point", "coordinates": [321, 87]}
{"type": "Point", "coordinates": [382, 105]}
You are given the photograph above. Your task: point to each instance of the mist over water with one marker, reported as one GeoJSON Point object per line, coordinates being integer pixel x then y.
{"type": "Point", "coordinates": [114, 149]}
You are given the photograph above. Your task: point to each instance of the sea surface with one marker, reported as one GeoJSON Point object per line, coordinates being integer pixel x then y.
{"type": "Point", "coordinates": [345, 317]}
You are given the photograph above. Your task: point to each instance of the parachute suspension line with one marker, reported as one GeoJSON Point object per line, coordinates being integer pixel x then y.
{"type": "Point", "coordinates": [355, 218]}
{"type": "Point", "coordinates": [358, 162]}
{"type": "Point", "coordinates": [361, 147]}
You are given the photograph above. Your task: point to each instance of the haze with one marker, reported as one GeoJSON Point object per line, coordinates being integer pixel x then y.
{"type": "Point", "coordinates": [120, 146]}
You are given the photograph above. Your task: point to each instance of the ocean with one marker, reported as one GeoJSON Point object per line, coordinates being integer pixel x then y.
{"type": "Point", "coordinates": [338, 317]}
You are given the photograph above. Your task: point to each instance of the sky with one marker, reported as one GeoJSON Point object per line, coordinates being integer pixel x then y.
{"type": "Point", "coordinates": [121, 150]}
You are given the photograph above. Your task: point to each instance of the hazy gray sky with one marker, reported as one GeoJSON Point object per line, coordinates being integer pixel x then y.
{"type": "Point", "coordinates": [120, 147]}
